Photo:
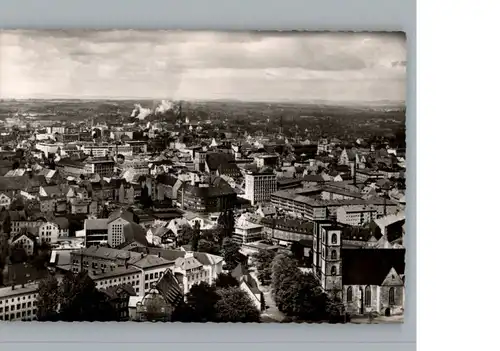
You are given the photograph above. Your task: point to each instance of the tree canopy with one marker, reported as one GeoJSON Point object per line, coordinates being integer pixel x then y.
{"type": "Point", "coordinates": [202, 299]}
{"type": "Point", "coordinates": [235, 306]}
{"type": "Point", "coordinates": [263, 264]}
{"type": "Point", "coordinates": [48, 299]}
{"type": "Point", "coordinates": [298, 294]}
{"type": "Point", "coordinates": [225, 223]}
{"type": "Point", "coordinates": [231, 253]}
{"type": "Point", "coordinates": [77, 298]}
{"type": "Point", "coordinates": [226, 280]}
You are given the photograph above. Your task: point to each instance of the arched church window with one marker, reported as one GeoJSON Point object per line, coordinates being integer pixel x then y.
{"type": "Point", "coordinates": [334, 270]}
{"type": "Point", "coordinates": [334, 254]}
{"type": "Point", "coordinates": [334, 238]}
{"type": "Point", "coordinates": [368, 296]}
{"type": "Point", "coordinates": [392, 300]}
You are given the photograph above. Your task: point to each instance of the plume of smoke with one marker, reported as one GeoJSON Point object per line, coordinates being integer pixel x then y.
{"type": "Point", "coordinates": [164, 106]}
{"type": "Point", "coordinates": [140, 112]}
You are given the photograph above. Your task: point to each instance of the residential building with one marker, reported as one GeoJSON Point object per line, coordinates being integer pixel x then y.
{"type": "Point", "coordinates": [246, 231]}
{"type": "Point", "coordinates": [18, 302]}
{"type": "Point", "coordinates": [296, 201]}
{"type": "Point", "coordinates": [48, 232]}
{"type": "Point", "coordinates": [248, 284]}
{"type": "Point", "coordinates": [96, 231]}
{"type": "Point", "coordinates": [356, 215]}
{"type": "Point", "coordinates": [212, 265]}
{"type": "Point", "coordinates": [192, 270]}
{"type": "Point", "coordinates": [213, 196]}
{"type": "Point", "coordinates": [219, 163]}
{"type": "Point", "coordinates": [285, 231]}
{"type": "Point", "coordinates": [103, 167]}
{"type": "Point", "coordinates": [266, 161]}
{"type": "Point", "coordinates": [5, 200]}
{"type": "Point", "coordinates": [96, 151]}
{"type": "Point", "coordinates": [117, 229]}
{"type": "Point", "coordinates": [119, 276]}
{"type": "Point", "coordinates": [26, 241]}
{"type": "Point", "coordinates": [118, 297]}
{"type": "Point", "coordinates": [110, 267]}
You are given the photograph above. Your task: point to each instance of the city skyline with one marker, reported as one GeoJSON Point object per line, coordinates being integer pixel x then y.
{"type": "Point", "coordinates": [334, 68]}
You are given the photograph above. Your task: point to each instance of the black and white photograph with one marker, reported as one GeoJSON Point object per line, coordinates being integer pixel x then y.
{"type": "Point", "coordinates": [202, 176]}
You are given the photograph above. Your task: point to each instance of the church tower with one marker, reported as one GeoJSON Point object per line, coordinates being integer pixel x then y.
{"type": "Point", "coordinates": [327, 256]}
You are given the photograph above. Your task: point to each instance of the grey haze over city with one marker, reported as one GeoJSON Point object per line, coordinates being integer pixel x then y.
{"type": "Point", "coordinates": [336, 68]}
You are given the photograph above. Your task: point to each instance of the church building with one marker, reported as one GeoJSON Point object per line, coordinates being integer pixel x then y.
{"type": "Point", "coordinates": [366, 279]}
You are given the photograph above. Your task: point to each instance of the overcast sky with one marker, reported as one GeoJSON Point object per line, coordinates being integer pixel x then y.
{"type": "Point", "coordinates": [335, 67]}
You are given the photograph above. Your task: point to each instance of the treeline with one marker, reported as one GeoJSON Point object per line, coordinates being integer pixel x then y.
{"type": "Point", "coordinates": [76, 298]}
{"type": "Point", "coordinates": [222, 302]}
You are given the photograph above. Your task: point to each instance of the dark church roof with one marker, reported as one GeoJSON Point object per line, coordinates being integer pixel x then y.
{"type": "Point", "coordinates": [370, 266]}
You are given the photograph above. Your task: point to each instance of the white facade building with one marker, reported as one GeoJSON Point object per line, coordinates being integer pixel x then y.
{"type": "Point", "coordinates": [18, 303]}
{"type": "Point", "coordinates": [259, 186]}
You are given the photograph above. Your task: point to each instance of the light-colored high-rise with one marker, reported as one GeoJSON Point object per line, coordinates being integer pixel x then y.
{"type": "Point", "coordinates": [259, 186]}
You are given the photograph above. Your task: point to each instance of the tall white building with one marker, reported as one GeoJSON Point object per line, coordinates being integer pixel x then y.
{"type": "Point", "coordinates": [260, 185]}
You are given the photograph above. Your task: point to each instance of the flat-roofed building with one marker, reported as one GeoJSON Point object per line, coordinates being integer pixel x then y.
{"type": "Point", "coordinates": [259, 185]}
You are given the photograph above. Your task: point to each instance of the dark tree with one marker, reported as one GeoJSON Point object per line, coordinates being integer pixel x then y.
{"type": "Point", "coordinates": [183, 313]}
{"type": "Point", "coordinates": [81, 301]}
{"type": "Point", "coordinates": [185, 235]}
{"type": "Point", "coordinates": [297, 251]}
{"type": "Point", "coordinates": [48, 299]}
{"type": "Point", "coordinates": [235, 306]}
{"type": "Point", "coordinates": [208, 246]}
{"type": "Point", "coordinates": [298, 294]}
{"type": "Point", "coordinates": [306, 299]}
{"type": "Point", "coordinates": [18, 255]}
{"type": "Point", "coordinates": [145, 198]}
{"type": "Point", "coordinates": [104, 212]}
{"type": "Point", "coordinates": [226, 280]}
{"type": "Point", "coordinates": [4, 253]}
{"type": "Point", "coordinates": [285, 273]}
{"type": "Point", "coordinates": [136, 218]}
{"type": "Point", "coordinates": [231, 253]}
{"type": "Point", "coordinates": [263, 264]}
{"type": "Point", "coordinates": [195, 238]}
{"type": "Point", "coordinates": [202, 299]}
{"type": "Point", "coordinates": [226, 224]}
{"type": "Point", "coordinates": [7, 225]}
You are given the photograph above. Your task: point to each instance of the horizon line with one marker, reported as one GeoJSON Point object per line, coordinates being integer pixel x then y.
{"type": "Point", "coordinates": [401, 103]}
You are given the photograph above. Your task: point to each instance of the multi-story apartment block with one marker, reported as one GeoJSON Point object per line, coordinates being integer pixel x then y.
{"type": "Point", "coordinates": [105, 168]}
{"type": "Point", "coordinates": [356, 215]}
{"type": "Point", "coordinates": [18, 303]}
{"type": "Point", "coordinates": [96, 151]}
{"type": "Point", "coordinates": [295, 201]}
{"type": "Point", "coordinates": [111, 267]}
